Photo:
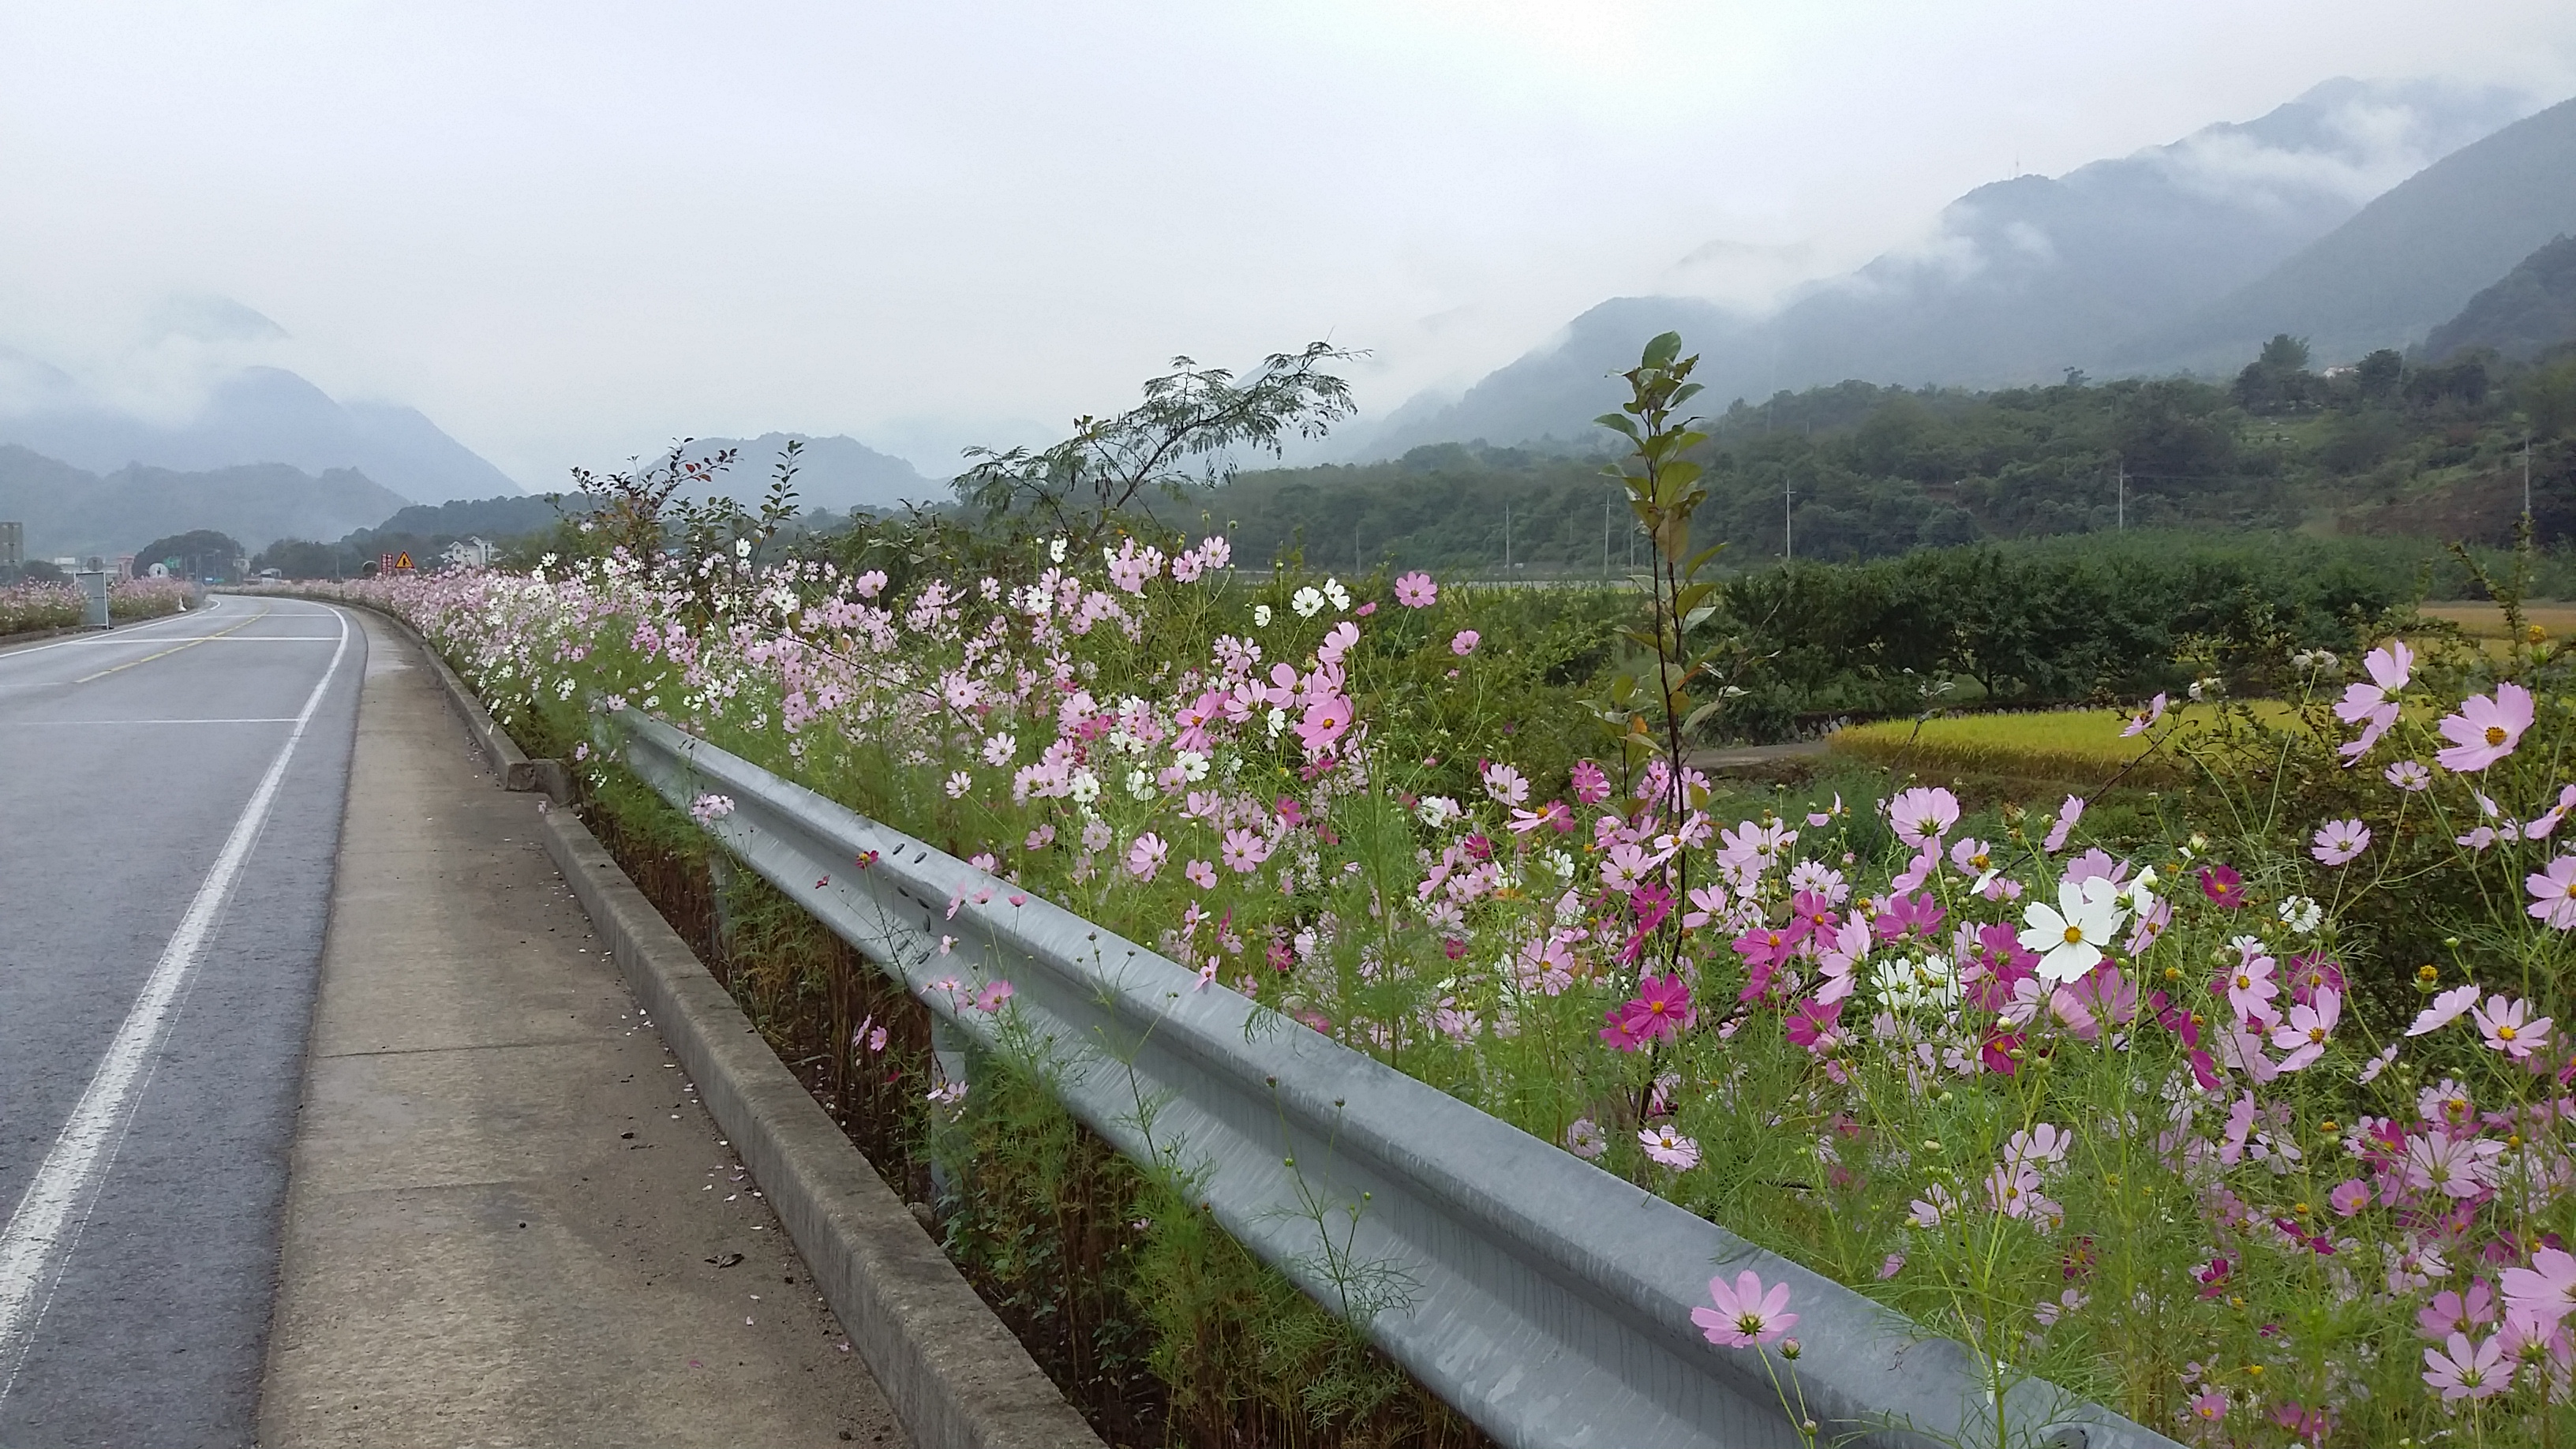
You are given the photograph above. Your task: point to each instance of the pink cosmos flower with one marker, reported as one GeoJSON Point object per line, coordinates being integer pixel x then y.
{"type": "Point", "coordinates": [1323, 724]}
{"type": "Point", "coordinates": [990, 999]}
{"type": "Point", "coordinates": [1201, 874]}
{"type": "Point", "coordinates": [2349, 1197]}
{"type": "Point", "coordinates": [1669, 1147]}
{"type": "Point", "coordinates": [2486, 729]}
{"type": "Point", "coordinates": [1244, 851]}
{"type": "Point", "coordinates": [1591, 786]}
{"type": "Point", "coordinates": [2310, 1026]}
{"type": "Point", "coordinates": [1745, 1315]}
{"type": "Point", "coordinates": [1465, 642]}
{"type": "Point", "coordinates": [2509, 1027]}
{"type": "Point", "coordinates": [2465, 1370]}
{"type": "Point", "coordinates": [2338, 841]}
{"type": "Point", "coordinates": [2453, 1312]}
{"type": "Point", "coordinates": [1920, 815]}
{"type": "Point", "coordinates": [1145, 857]}
{"type": "Point", "coordinates": [2455, 1167]}
{"type": "Point", "coordinates": [1505, 784]}
{"type": "Point", "coordinates": [2067, 815]}
{"type": "Point", "coordinates": [1416, 590]}
{"type": "Point", "coordinates": [2209, 1407]}
{"type": "Point", "coordinates": [1583, 1139]}
{"type": "Point", "coordinates": [2145, 719]}
{"type": "Point", "coordinates": [2408, 775]}
{"type": "Point", "coordinates": [2545, 1291]}
{"type": "Point", "coordinates": [2553, 894]}
{"type": "Point", "coordinates": [2448, 1007]}
{"type": "Point", "coordinates": [2249, 984]}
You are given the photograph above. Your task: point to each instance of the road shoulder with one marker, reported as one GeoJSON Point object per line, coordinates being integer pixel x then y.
{"type": "Point", "coordinates": [509, 1221]}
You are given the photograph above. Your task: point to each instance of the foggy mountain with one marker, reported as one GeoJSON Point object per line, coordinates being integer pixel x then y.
{"type": "Point", "coordinates": [72, 511]}
{"type": "Point", "coordinates": [2532, 309]}
{"type": "Point", "coordinates": [836, 472]}
{"type": "Point", "coordinates": [2020, 279]}
{"type": "Point", "coordinates": [249, 415]}
{"type": "Point", "coordinates": [2407, 262]}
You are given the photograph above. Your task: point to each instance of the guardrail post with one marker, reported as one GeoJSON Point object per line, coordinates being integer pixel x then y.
{"type": "Point", "coordinates": [948, 1054]}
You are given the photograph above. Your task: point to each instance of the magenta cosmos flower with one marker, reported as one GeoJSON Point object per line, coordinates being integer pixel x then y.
{"type": "Point", "coordinates": [2338, 841]}
{"type": "Point", "coordinates": [1465, 643]}
{"type": "Point", "coordinates": [1745, 1314]}
{"type": "Point", "coordinates": [2553, 894]}
{"type": "Point", "coordinates": [2486, 729]}
{"type": "Point", "coordinates": [1661, 1008]}
{"type": "Point", "coordinates": [1416, 591]}
{"type": "Point", "coordinates": [2224, 887]}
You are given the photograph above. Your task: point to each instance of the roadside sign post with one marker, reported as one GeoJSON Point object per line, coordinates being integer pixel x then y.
{"type": "Point", "coordinates": [93, 587]}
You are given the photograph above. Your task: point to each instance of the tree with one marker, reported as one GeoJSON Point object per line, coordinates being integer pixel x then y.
{"type": "Point", "coordinates": [1182, 436]}
{"type": "Point", "coordinates": [197, 554]}
{"type": "Point", "coordinates": [2377, 376]}
{"type": "Point", "coordinates": [2278, 379]}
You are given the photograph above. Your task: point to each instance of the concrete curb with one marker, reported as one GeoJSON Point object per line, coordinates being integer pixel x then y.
{"type": "Point", "coordinates": [955, 1375]}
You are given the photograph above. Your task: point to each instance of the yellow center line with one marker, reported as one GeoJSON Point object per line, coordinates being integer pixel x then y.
{"type": "Point", "coordinates": [175, 648]}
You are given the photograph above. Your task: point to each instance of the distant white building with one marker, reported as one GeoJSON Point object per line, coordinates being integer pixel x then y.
{"type": "Point", "coordinates": [469, 553]}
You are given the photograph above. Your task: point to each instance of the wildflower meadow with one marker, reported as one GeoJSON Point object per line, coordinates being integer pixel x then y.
{"type": "Point", "coordinates": [2243, 1108]}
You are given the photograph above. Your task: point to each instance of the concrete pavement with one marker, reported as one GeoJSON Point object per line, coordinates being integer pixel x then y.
{"type": "Point", "coordinates": [509, 1222]}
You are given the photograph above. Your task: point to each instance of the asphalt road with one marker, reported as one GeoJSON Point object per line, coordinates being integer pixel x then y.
{"type": "Point", "coordinates": [170, 805]}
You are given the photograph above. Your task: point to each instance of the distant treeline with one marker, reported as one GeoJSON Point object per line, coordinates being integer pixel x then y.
{"type": "Point", "coordinates": [1857, 471]}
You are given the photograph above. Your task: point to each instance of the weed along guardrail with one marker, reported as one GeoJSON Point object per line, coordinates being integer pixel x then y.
{"type": "Point", "coordinates": [1547, 1300]}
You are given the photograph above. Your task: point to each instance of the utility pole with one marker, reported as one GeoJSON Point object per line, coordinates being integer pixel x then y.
{"type": "Point", "coordinates": [1507, 540]}
{"type": "Point", "coordinates": [2120, 508]}
{"type": "Point", "coordinates": [2526, 475]}
{"type": "Point", "coordinates": [1605, 539]}
{"type": "Point", "coordinates": [1787, 519]}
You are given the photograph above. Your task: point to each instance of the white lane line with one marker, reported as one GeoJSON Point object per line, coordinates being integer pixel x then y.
{"type": "Point", "coordinates": [37, 1244]}
{"type": "Point", "coordinates": [85, 723]}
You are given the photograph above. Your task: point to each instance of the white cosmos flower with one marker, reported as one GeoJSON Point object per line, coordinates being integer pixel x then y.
{"type": "Point", "coordinates": [1308, 603]}
{"type": "Point", "coordinates": [1334, 591]}
{"type": "Point", "coordinates": [1261, 616]}
{"type": "Point", "coordinates": [1055, 550]}
{"type": "Point", "coordinates": [2071, 937]}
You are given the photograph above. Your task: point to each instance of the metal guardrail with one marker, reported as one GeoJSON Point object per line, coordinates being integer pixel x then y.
{"type": "Point", "coordinates": [1543, 1298]}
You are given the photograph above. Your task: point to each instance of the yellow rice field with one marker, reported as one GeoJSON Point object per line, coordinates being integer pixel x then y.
{"type": "Point", "coordinates": [2068, 744]}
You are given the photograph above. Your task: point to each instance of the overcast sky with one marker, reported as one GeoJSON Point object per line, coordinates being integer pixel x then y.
{"type": "Point", "coordinates": [572, 231]}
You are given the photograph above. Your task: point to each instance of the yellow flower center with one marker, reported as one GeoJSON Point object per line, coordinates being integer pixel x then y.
{"type": "Point", "coordinates": [2495, 734]}
{"type": "Point", "coordinates": [2074, 933]}
{"type": "Point", "coordinates": [2504, 1033]}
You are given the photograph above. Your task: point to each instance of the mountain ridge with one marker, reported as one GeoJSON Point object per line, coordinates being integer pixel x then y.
{"type": "Point", "coordinates": [71, 511]}
{"type": "Point", "coordinates": [2023, 280]}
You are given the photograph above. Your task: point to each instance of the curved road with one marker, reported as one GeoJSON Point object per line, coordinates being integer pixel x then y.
{"type": "Point", "coordinates": [170, 806]}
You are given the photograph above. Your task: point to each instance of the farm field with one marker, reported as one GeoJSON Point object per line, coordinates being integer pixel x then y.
{"type": "Point", "coordinates": [2557, 619]}
{"type": "Point", "coordinates": [2081, 746]}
